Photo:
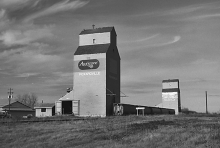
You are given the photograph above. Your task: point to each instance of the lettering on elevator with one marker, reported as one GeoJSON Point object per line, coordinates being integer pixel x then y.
{"type": "Point", "coordinates": [88, 64]}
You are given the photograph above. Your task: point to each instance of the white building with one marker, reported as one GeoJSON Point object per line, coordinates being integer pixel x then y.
{"type": "Point", "coordinates": [96, 76]}
{"type": "Point", "coordinates": [171, 95]}
{"type": "Point", "coordinates": [66, 105]}
{"type": "Point", "coordinates": [45, 110]}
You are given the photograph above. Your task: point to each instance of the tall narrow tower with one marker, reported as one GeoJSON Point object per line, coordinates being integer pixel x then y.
{"type": "Point", "coordinates": [96, 79]}
{"type": "Point", "coordinates": [171, 95]}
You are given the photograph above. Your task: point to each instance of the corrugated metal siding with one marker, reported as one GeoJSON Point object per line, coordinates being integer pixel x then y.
{"type": "Point", "coordinates": [113, 78]}
{"type": "Point", "coordinates": [128, 109]}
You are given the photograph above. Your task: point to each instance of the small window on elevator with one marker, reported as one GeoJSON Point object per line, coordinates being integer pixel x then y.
{"type": "Point", "coordinates": [94, 41]}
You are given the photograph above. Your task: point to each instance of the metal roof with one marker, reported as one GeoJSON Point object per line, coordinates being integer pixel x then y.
{"type": "Point", "coordinates": [92, 49]}
{"type": "Point", "coordinates": [171, 80]}
{"type": "Point", "coordinates": [97, 30]}
{"type": "Point", "coordinates": [17, 106]}
{"type": "Point", "coordinates": [45, 105]}
{"type": "Point", "coordinates": [171, 90]}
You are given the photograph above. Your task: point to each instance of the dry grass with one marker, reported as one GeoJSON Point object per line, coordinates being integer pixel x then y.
{"type": "Point", "coordinates": [126, 131]}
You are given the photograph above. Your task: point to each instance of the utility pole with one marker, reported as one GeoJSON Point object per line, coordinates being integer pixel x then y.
{"type": "Point", "coordinates": [10, 96]}
{"type": "Point", "coordinates": [206, 96]}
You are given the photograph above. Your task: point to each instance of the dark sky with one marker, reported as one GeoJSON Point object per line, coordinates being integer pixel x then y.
{"type": "Point", "coordinates": [157, 40]}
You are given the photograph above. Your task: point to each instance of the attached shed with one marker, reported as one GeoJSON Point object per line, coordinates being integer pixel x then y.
{"type": "Point", "coordinates": [18, 109]}
{"type": "Point", "coordinates": [67, 105]}
{"type": "Point", "coordinates": [45, 110]}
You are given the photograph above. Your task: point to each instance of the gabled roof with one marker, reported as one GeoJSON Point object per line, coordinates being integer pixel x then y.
{"type": "Point", "coordinates": [68, 96]}
{"type": "Point", "coordinates": [17, 106]}
{"type": "Point", "coordinates": [170, 80]}
{"type": "Point", "coordinates": [45, 105]}
{"type": "Point", "coordinates": [92, 49]}
{"type": "Point", "coordinates": [97, 30]}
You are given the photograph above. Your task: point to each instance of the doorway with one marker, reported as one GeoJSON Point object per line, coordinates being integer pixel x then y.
{"type": "Point", "coordinates": [67, 107]}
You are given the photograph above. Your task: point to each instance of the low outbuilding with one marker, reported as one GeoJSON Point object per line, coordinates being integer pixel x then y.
{"type": "Point", "coordinates": [18, 110]}
{"type": "Point", "coordinates": [45, 110]}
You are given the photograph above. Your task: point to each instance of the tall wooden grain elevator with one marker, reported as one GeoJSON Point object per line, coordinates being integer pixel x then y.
{"type": "Point", "coordinates": [96, 78]}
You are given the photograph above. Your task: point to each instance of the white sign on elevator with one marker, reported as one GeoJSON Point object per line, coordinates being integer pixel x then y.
{"type": "Point", "coordinates": [89, 73]}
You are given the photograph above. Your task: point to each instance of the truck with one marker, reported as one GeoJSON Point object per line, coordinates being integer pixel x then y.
{"type": "Point", "coordinates": [4, 114]}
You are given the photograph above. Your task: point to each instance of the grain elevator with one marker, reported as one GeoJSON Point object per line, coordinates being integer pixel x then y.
{"type": "Point", "coordinates": [171, 95]}
{"type": "Point", "coordinates": [96, 75]}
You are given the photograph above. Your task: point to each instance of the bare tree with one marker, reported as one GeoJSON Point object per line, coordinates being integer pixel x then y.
{"type": "Point", "coordinates": [27, 99]}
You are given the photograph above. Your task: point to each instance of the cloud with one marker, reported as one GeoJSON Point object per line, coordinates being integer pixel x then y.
{"type": "Point", "coordinates": [175, 39]}
{"type": "Point", "coordinates": [61, 78]}
{"type": "Point", "coordinates": [7, 53]}
{"type": "Point", "coordinates": [156, 40]}
{"type": "Point", "coordinates": [17, 37]}
{"type": "Point", "coordinates": [64, 74]}
{"type": "Point", "coordinates": [26, 75]}
{"type": "Point", "coordinates": [62, 6]}
{"type": "Point", "coordinates": [4, 73]}
{"type": "Point", "coordinates": [207, 16]}
{"type": "Point", "coordinates": [2, 13]}
{"type": "Point", "coordinates": [9, 3]}
{"type": "Point", "coordinates": [148, 38]}
{"type": "Point", "coordinates": [3, 19]}
{"type": "Point", "coordinates": [32, 61]}
{"type": "Point", "coordinates": [35, 3]}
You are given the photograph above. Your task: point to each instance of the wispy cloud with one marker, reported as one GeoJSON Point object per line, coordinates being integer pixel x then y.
{"type": "Point", "coordinates": [176, 39]}
{"type": "Point", "coordinates": [60, 78]}
{"type": "Point", "coordinates": [23, 60]}
{"type": "Point", "coordinates": [7, 53]}
{"type": "Point", "coordinates": [2, 13]}
{"type": "Point", "coordinates": [163, 43]}
{"type": "Point", "coordinates": [140, 39]}
{"type": "Point", "coordinates": [13, 2]}
{"type": "Point", "coordinates": [3, 18]}
{"type": "Point", "coordinates": [64, 74]}
{"type": "Point", "coordinates": [17, 37]}
{"type": "Point", "coordinates": [4, 73]}
{"type": "Point", "coordinates": [148, 38]}
{"type": "Point", "coordinates": [62, 6]}
{"type": "Point", "coordinates": [206, 16]}
{"type": "Point", "coordinates": [26, 75]}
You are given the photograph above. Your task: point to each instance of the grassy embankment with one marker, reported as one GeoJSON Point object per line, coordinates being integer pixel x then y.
{"type": "Point", "coordinates": [126, 131]}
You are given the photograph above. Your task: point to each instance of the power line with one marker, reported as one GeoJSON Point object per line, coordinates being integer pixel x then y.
{"type": "Point", "coordinates": [10, 96]}
{"type": "Point", "coordinates": [206, 96]}
{"type": "Point", "coordinates": [123, 94]}
{"type": "Point", "coordinates": [112, 94]}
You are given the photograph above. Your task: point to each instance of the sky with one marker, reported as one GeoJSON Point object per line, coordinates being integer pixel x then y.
{"type": "Point", "coordinates": [157, 40]}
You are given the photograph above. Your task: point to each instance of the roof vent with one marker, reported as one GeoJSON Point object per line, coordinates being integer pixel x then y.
{"type": "Point", "coordinates": [68, 90]}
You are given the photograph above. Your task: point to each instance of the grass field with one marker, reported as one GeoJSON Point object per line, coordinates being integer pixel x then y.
{"type": "Point", "coordinates": [166, 131]}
